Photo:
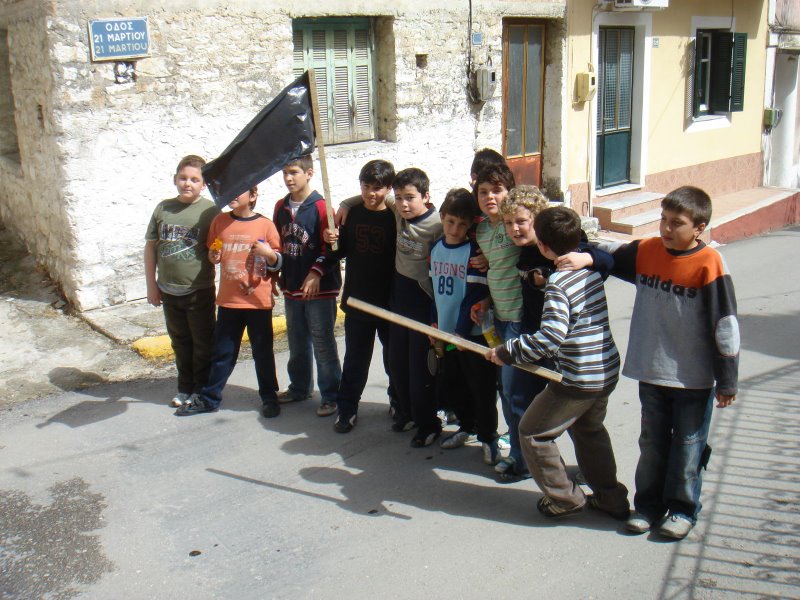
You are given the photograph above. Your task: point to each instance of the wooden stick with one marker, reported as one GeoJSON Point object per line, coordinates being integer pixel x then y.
{"type": "Point", "coordinates": [458, 341]}
{"type": "Point", "coordinates": [312, 80]}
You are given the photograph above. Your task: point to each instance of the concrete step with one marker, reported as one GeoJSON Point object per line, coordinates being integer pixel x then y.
{"type": "Point", "coordinates": [610, 210]}
{"type": "Point", "coordinates": [735, 216]}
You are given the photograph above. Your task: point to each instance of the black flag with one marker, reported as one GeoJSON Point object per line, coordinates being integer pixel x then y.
{"type": "Point", "coordinates": [282, 131]}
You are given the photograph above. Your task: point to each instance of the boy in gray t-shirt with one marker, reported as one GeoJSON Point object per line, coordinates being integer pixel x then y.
{"type": "Point", "coordinates": [180, 277]}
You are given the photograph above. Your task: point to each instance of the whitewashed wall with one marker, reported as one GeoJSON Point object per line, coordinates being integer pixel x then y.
{"type": "Point", "coordinates": [96, 156]}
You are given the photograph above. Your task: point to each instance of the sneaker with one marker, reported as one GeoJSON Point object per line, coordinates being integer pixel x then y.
{"type": "Point", "coordinates": [179, 400]}
{"type": "Point", "coordinates": [424, 438]}
{"type": "Point", "coordinates": [345, 424]}
{"type": "Point", "coordinates": [456, 440]}
{"type": "Point", "coordinates": [270, 410]}
{"type": "Point", "coordinates": [195, 406]}
{"type": "Point", "coordinates": [326, 409]}
{"type": "Point", "coordinates": [552, 510]}
{"type": "Point", "coordinates": [491, 453]}
{"type": "Point", "coordinates": [402, 423]}
{"type": "Point", "coordinates": [287, 396]}
{"type": "Point", "coordinates": [638, 523]}
{"type": "Point", "coordinates": [509, 471]}
{"type": "Point", "coordinates": [503, 442]}
{"type": "Point", "coordinates": [676, 527]}
{"type": "Point", "coordinates": [620, 515]}
{"type": "Point", "coordinates": [505, 464]}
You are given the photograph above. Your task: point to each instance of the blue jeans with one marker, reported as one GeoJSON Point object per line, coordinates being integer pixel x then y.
{"type": "Point", "coordinates": [675, 424]}
{"type": "Point", "coordinates": [231, 323]}
{"type": "Point", "coordinates": [517, 390]}
{"type": "Point", "coordinates": [309, 326]}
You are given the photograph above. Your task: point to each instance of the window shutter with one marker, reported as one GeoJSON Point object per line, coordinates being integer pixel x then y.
{"type": "Point", "coordinates": [340, 54]}
{"type": "Point", "coordinates": [341, 87]}
{"type": "Point", "coordinates": [720, 81]}
{"type": "Point", "coordinates": [362, 86]}
{"type": "Point", "coordinates": [737, 71]}
{"type": "Point", "coordinates": [696, 77]}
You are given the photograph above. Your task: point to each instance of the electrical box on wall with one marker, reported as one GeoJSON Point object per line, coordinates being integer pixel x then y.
{"type": "Point", "coordinates": [585, 86]}
{"type": "Point", "coordinates": [485, 83]}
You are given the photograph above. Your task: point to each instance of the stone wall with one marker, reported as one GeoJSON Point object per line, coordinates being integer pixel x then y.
{"type": "Point", "coordinates": [96, 155]}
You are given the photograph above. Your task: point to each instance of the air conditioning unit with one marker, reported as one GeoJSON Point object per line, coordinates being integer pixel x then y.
{"type": "Point", "coordinates": [640, 4]}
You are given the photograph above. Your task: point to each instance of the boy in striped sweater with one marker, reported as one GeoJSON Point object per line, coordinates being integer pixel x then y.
{"type": "Point", "coordinates": [575, 331]}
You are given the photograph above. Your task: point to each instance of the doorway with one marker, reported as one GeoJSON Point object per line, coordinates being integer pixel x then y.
{"type": "Point", "coordinates": [614, 106]}
{"type": "Point", "coordinates": [523, 88]}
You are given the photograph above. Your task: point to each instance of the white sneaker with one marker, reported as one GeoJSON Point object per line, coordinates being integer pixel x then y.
{"type": "Point", "coordinates": [458, 439]}
{"type": "Point", "coordinates": [179, 400]}
{"type": "Point", "coordinates": [676, 526]}
{"type": "Point", "coordinates": [638, 523]}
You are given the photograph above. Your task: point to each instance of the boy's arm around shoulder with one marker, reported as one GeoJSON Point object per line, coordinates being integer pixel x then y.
{"type": "Point", "coordinates": [623, 258]}
{"type": "Point", "coordinates": [602, 261]}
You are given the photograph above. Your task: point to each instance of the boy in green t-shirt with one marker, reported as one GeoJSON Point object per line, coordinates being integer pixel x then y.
{"type": "Point", "coordinates": [180, 277]}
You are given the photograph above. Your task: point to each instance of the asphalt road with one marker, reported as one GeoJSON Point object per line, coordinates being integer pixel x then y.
{"type": "Point", "coordinates": [105, 494]}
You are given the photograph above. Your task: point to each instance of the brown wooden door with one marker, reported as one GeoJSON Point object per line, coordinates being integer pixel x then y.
{"type": "Point", "coordinates": [523, 87]}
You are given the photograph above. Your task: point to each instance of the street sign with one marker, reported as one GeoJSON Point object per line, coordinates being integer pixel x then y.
{"type": "Point", "coordinates": [119, 39]}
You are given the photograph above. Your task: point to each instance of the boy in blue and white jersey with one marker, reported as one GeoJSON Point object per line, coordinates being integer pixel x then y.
{"type": "Point", "coordinates": [467, 379]}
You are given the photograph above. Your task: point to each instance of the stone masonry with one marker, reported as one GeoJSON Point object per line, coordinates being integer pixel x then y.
{"type": "Point", "coordinates": [96, 155]}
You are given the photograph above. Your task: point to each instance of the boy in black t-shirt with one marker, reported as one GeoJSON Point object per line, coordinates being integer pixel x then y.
{"type": "Point", "coordinates": [367, 242]}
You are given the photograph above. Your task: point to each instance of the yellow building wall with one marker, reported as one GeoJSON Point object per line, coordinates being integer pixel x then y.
{"type": "Point", "coordinates": [669, 142]}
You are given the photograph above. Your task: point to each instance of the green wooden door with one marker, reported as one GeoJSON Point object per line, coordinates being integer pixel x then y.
{"type": "Point", "coordinates": [615, 87]}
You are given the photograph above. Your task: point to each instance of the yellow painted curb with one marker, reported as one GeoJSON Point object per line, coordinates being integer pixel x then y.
{"type": "Point", "coordinates": [159, 347]}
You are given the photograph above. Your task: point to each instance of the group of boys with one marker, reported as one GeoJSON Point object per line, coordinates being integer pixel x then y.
{"type": "Point", "coordinates": [500, 248]}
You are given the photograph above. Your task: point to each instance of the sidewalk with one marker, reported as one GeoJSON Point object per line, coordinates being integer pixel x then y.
{"type": "Point", "coordinates": [141, 327]}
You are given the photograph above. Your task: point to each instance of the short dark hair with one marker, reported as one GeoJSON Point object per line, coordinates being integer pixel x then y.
{"type": "Point", "coordinates": [191, 160]}
{"type": "Point", "coordinates": [691, 201]}
{"type": "Point", "coordinates": [305, 162]}
{"type": "Point", "coordinates": [460, 202]}
{"type": "Point", "coordinates": [496, 174]}
{"type": "Point", "coordinates": [559, 228]}
{"type": "Point", "coordinates": [485, 158]}
{"type": "Point", "coordinates": [412, 176]}
{"type": "Point", "coordinates": [377, 172]}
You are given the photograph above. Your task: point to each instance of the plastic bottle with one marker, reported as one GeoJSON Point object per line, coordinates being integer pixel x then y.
{"type": "Point", "coordinates": [259, 264]}
{"type": "Point", "coordinates": [488, 330]}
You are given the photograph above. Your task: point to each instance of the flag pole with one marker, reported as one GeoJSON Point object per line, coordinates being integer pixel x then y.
{"type": "Point", "coordinates": [312, 81]}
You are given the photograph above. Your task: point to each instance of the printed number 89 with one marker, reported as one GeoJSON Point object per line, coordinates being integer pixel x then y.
{"type": "Point", "coordinates": [445, 286]}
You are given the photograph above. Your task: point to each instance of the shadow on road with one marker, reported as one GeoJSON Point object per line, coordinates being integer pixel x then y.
{"type": "Point", "coordinates": [747, 541]}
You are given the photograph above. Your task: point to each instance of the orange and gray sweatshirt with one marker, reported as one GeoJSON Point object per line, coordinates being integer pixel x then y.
{"type": "Point", "coordinates": [684, 331]}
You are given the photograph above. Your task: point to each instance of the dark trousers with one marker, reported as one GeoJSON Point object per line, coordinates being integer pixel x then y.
{"type": "Point", "coordinates": [468, 384]}
{"type": "Point", "coordinates": [408, 364]}
{"type": "Point", "coordinates": [231, 323]}
{"type": "Point", "coordinates": [190, 325]}
{"type": "Point", "coordinates": [359, 339]}
{"type": "Point", "coordinates": [557, 409]}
